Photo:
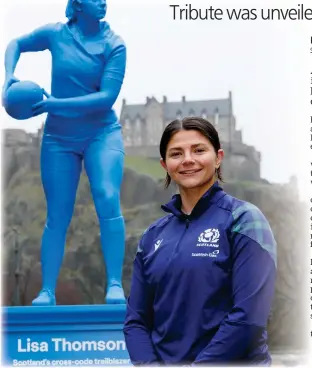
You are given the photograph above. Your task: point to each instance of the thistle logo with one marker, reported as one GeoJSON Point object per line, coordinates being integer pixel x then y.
{"type": "Point", "coordinates": [157, 244]}
{"type": "Point", "coordinates": [209, 236]}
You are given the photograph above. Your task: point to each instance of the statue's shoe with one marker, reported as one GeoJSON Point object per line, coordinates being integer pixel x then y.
{"type": "Point", "coordinates": [45, 298]}
{"type": "Point", "coordinates": [115, 294]}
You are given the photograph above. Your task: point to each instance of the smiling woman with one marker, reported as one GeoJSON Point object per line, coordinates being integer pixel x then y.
{"type": "Point", "coordinates": [204, 275]}
{"type": "Point", "coordinates": [191, 154]}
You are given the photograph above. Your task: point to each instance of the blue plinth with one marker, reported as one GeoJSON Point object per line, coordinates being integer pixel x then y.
{"type": "Point", "coordinates": [80, 335]}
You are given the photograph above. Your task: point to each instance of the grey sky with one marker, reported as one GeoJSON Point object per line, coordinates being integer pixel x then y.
{"type": "Point", "coordinates": [263, 63]}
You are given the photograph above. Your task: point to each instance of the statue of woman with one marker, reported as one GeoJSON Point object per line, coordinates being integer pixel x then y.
{"type": "Point", "coordinates": [88, 68]}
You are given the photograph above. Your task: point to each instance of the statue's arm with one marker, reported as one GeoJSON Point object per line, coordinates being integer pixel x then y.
{"type": "Point", "coordinates": [37, 40]}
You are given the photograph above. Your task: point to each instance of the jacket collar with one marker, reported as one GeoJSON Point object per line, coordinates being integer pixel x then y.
{"type": "Point", "coordinates": [213, 194]}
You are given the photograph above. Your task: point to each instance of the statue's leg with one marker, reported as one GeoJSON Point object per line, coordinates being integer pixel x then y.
{"type": "Point", "coordinates": [60, 173]}
{"type": "Point", "coordinates": [104, 159]}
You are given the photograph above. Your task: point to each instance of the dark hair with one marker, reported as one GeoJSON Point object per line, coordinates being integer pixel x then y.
{"type": "Point", "coordinates": [189, 123]}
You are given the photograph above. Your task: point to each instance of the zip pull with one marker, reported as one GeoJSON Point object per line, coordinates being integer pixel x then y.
{"type": "Point", "coordinates": [187, 220]}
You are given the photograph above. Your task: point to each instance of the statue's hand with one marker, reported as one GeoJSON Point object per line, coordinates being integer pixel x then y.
{"type": "Point", "coordinates": [9, 80]}
{"type": "Point", "coordinates": [46, 105]}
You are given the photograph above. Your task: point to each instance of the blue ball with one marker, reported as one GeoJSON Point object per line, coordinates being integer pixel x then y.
{"type": "Point", "coordinates": [20, 97]}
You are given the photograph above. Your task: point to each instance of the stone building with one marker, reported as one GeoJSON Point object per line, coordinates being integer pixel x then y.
{"type": "Point", "coordinates": [143, 125]}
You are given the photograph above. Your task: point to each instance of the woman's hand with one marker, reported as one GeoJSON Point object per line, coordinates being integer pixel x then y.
{"type": "Point", "coordinates": [50, 104]}
{"type": "Point", "coordinates": [9, 80]}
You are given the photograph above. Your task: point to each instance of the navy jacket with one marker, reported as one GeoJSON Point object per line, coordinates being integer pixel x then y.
{"type": "Point", "coordinates": [203, 285]}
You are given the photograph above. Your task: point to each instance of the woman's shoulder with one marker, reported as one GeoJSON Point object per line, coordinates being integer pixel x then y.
{"type": "Point", "coordinates": [50, 30]}
{"type": "Point", "coordinates": [156, 226]}
{"type": "Point", "coordinates": [248, 219]}
{"type": "Point", "coordinates": [151, 233]}
{"type": "Point", "coordinates": [244, 208]}
{"type": "Point", "coordinates": [54, 27]}
{"type": "Point", "coordinates": [239, 208]}
{"type": "Point", "coordinates": [114, 39]}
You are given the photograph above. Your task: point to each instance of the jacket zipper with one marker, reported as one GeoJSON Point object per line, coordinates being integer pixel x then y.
{"type": "Point", "coordinates": [176, 248]}
{"type": "Point", "coordinates": [187, 223]}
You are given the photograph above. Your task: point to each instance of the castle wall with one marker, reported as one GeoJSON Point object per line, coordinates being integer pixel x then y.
{"type": "Point", "coordinates": [154, 123]}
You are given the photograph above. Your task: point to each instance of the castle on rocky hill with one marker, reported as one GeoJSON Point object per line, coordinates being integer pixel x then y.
{"type": "Point", "coordinates": [143, 125]}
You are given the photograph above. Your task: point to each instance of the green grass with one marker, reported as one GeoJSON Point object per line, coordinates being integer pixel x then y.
{"type": "Point", "coordinates": [147, 166]}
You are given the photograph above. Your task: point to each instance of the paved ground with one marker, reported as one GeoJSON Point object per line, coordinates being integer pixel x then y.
{"type": "Point", "coordinates": [285, 359]}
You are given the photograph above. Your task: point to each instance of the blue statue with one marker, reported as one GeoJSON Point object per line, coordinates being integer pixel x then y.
{"type": "Point", "coordinates": [88, 68]}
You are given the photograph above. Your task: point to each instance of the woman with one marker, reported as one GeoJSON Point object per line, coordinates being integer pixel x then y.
{"type": "Point", "coordinates": [88, 67]}
{"type": "Point", "coordinates": [204, 275]}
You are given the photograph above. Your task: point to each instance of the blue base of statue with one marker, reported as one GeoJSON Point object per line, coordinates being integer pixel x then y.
{"type": "Point", "coordinates": [80, 335]}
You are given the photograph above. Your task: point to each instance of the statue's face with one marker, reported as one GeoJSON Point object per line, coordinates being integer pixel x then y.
{"type": "Point", "coordinates": [94, 9]}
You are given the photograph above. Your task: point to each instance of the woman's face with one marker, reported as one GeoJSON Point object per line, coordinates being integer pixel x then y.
{"type": "Point", "coordinates": [94, 9]}
{"type": "Point", "coordinates": [191, 160]}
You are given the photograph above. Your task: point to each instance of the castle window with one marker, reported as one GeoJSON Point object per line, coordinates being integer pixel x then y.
{"type": "Point", "coordinates": [138, 131]}
{"type": "Point", "coordinates": [131, 133]}
{"type": "Point", "coordinates": [216, 117]}
{"type": "Point", "coordinates": [127, 124]}
{"type": "Point", "coordinates": [127, 132]}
